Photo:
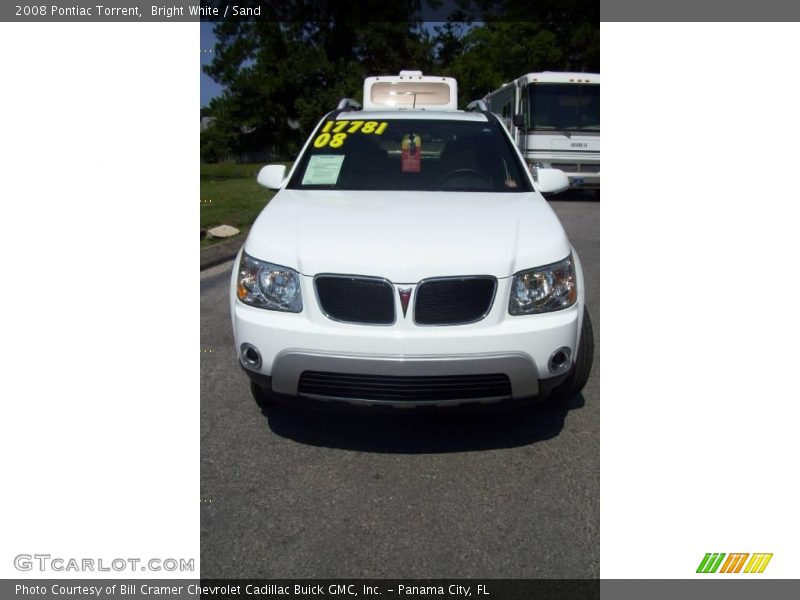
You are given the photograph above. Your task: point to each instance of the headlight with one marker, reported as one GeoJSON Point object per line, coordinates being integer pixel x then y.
{"type": "Point", "coordinates": [269, 286]}
{"type": "Point", "coordinates": [544, 289]}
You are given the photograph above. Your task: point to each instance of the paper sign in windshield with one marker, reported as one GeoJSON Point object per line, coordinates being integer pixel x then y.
{"type": "Point", "coordinates": [411, 156]}
{"type": "Point", "coordinates": [323, 169]}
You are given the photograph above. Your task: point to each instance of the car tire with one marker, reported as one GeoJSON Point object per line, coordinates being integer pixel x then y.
{"type": "Point", "coordinates": [260, 395]}
{"type": "Point", "coordinates": [583, 364]}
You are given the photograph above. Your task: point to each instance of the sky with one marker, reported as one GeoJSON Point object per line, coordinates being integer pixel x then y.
{"type": "Point", "coordinates": [208, 87]}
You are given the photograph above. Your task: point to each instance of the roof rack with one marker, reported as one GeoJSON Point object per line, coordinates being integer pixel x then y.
{"type": "Point", "coordinates": [348, 104]}
{"type": "Point", "coordinates": [477, 105]}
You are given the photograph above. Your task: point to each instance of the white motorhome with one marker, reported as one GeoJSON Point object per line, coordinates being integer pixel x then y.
{"type": "Point", "coordinates": [554, 119]}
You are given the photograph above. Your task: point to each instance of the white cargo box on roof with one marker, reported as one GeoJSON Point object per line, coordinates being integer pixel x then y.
{"type": "Point", "coordinates": [410, 90]}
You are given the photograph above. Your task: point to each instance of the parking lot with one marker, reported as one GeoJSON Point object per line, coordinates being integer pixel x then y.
{"type": "Point", "coordinates": [291, 493]}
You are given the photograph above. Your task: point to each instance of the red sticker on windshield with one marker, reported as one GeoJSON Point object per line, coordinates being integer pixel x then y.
{"type": "Point", "coordinates": [411, 157]}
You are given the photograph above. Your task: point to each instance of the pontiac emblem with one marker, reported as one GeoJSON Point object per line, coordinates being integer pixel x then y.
{"type": "Point", "coordinates": [405, 294]}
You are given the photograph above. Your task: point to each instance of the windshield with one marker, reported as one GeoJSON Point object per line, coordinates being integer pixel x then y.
{"type": "Point", "coordinates": [565, 106]}
{"type": "Point", "coordinates": [410, 154]}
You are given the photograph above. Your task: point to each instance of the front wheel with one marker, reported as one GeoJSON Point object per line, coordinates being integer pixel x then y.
{"type": "Point", "coordinates": [584, 358]}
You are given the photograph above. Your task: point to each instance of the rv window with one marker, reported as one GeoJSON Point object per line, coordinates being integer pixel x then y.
{"type": "Point", "coordinates": [410, 93]}
{"type": "Point", "coordinates": [564, 106]}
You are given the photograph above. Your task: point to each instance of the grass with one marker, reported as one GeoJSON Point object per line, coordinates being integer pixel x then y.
{"type": "Point", "coordinates": [229, 195]}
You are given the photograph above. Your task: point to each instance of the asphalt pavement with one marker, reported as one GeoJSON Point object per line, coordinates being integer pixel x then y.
{"type": "Point", "coordinates": [289, 493]}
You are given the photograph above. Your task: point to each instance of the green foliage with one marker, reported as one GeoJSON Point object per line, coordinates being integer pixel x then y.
{"type": "Point", "coordinates": [281, 77]}
{"type": "Point", "coordinates": [219, 172]}
{"type": "Point", "coordinates": [216, 144]}
{"type": "Point", "coordinates": [499, 52]}
{"type": "Point", "coordinates": [230, 195]}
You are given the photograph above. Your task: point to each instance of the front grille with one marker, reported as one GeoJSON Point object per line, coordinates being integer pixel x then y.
{"type": "Point", "coordinates": [591, 168]}
{"type": "Point", "coordinates": [453, 300]}
{"type": "Point", "coordinates": [391, 388]}
{"type": "Point", "coordinates": [356, 299]}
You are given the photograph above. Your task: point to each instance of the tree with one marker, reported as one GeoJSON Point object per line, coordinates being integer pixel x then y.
{"type": "Point", "coordinates": [515, 37]}
{"type": "Point", "coordinates": [498, 52]}
{"type": "Point", "coordinates": [283, 72]}
{"type": "Point", "coordinates": [280, 77]}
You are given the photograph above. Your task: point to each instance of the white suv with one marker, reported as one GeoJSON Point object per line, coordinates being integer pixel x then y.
{"type": "Point", "coordinates": [410, 259]}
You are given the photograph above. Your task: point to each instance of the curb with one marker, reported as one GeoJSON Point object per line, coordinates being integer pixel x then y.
{"type": "Point", "coordinates": [211, 256]}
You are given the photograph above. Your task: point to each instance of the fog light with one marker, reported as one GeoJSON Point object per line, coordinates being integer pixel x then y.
{"type": "Point", "coordinates": [559, 360]}
{"type": "Point", "coordinates": [250, 356]}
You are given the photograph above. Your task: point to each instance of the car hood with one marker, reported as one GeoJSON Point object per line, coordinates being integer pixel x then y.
{"type": "Point", "coordinates": [407, 236]}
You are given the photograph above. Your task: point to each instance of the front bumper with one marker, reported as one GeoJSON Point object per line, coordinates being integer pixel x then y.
{"type": "Point", "coordinates": [295, 363]}
{"type": "Point", "coordinates": [412, 371]}
{"type": "Point", "coordinates": [518, 347]}
{"type": "Point", "coordinates": [582, 172]}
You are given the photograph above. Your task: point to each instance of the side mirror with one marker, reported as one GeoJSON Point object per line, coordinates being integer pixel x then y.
{"type": "Point", "coordinates": [519, 120]}
{"type": "Point", "coordinates": [272, 176]}
{"type": "Point", "coordinates": [551, 181]}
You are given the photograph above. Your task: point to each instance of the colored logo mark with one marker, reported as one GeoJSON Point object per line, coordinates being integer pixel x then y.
{"type": "Point", "coordinates": [405, 294]}
{"type": "Point", "coordinates": [713, 562]}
